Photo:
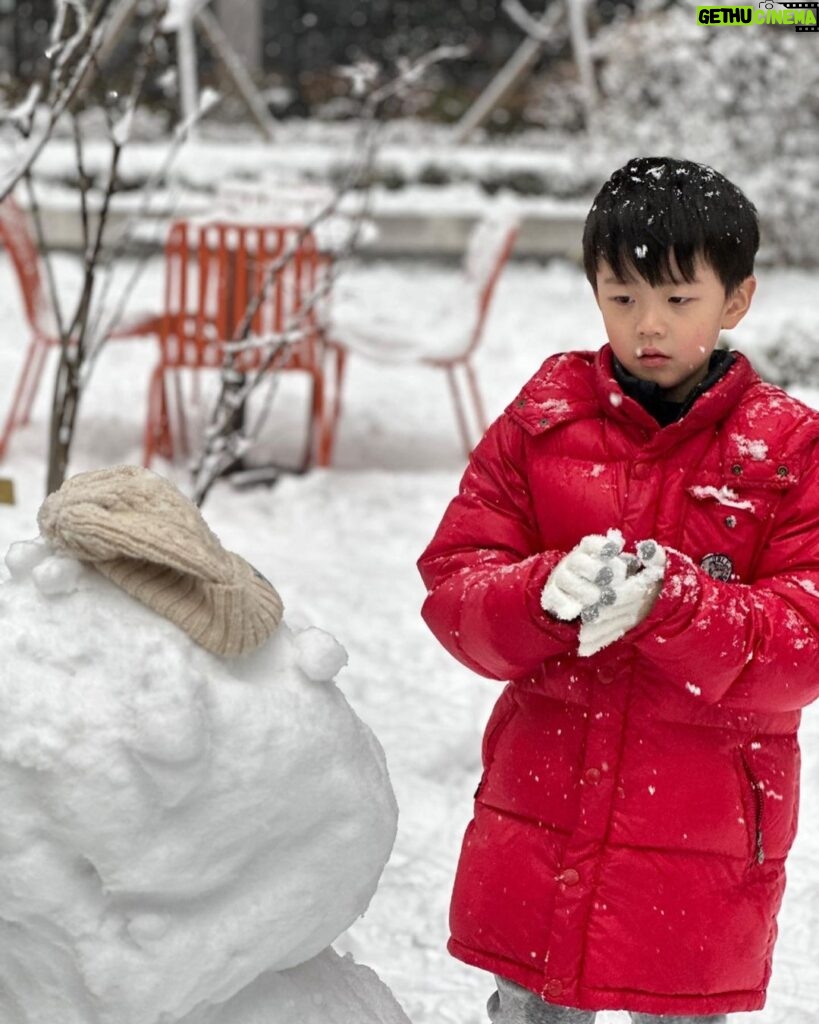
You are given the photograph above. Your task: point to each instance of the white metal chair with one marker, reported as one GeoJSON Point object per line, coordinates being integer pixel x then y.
{"type": "Point", "coordinates": [450, 343]}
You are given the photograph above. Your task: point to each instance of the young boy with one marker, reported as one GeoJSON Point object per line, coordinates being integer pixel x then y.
{"type": "Point", "coordinates": [635, 545]}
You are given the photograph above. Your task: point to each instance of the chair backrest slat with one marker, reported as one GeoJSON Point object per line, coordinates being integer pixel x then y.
{"type": "Point", "coordinates": [215, 270]}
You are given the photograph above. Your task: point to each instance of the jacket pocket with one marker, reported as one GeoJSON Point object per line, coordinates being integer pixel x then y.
{"type": "Point", "coordinates": [770, 778]}
{"type": "Point", "coordinates": [756, 788]}
{"type": "Point", "coordinates": [725, 526]}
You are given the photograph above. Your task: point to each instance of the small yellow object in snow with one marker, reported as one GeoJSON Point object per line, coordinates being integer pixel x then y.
{"type": "Point", "coordinates": [6, 491]}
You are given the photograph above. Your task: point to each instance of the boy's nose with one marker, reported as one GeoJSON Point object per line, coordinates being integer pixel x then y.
{"type": "Point", "coordinates": [650, 324]}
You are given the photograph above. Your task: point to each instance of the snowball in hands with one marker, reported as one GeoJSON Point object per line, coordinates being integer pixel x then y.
{"type": "Point", "coordinates": [611, 592]}
{"type": "Point", "coordinates": [585, 577]}
{"type": "Point", "coordinates": [601, 625]}
{"type": "Point", "coordinates": [176, 827]}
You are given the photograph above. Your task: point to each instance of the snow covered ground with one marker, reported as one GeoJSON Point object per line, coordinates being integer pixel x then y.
{"type": "Point", "coordinates": [340, 546]}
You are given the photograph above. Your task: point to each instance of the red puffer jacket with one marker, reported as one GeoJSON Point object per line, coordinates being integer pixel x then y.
{"type": "Point", "coordinates": [631, 826]}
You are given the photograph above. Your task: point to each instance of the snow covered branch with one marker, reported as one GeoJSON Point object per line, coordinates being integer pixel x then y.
{"type": "Point", "coordinates": [410, 74]}
{"type": "Point", "coordinates": [542, 29]}
{"type": "Point", "coordinates": [61, 51]}
{"type": "Point", "coordinates": [60, 96]}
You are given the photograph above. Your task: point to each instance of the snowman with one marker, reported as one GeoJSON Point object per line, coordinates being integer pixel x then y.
{"type": "Point", "coordinates": [192, 812]}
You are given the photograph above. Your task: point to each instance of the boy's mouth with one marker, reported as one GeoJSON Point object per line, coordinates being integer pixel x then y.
{"type": "Point", "coordinates": [649, 356]}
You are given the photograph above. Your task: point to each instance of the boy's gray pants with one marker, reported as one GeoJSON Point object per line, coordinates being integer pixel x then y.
{"type": "Point", "coordinates": [512, 1004]}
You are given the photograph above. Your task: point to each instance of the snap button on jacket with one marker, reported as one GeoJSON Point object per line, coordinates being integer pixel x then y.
{"type": "Point", "coordinates": [636, 808]}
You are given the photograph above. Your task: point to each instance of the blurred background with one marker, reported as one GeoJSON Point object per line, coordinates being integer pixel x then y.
{"type": "Point", "coordinates": [575, 88]}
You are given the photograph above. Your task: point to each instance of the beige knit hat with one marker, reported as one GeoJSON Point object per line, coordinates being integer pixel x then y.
{"type": "Point", "coordinates": [141, 532]}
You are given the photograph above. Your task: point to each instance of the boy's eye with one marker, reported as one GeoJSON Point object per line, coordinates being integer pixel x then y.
{"type": "Point", "coordinates": [621, 300]}
{"type": "Point", "coordinates": [679, 300]}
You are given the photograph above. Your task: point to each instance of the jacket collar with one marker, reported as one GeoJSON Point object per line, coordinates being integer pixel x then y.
{"type": "Point", "coordinates": [712, 406]}
{"type": "Point", "coordinates": [583, 385]}
{"type": "Point", "coordinates": [653, 398]}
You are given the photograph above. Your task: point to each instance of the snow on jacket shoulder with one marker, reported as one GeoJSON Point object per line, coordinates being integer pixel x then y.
{"type": "Point", "coordinates": [636, 807]}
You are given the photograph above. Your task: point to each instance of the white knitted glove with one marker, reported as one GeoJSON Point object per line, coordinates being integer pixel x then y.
{"type": "Point", "coordinates": [585, 578]}
{"type": "Point", "coordinates": [634, 597]}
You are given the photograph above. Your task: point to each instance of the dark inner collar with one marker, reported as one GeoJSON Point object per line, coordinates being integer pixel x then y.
{"type": "Point", "coordinates": [652, 397]}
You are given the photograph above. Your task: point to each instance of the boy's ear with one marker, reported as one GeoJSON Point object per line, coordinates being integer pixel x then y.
{"type": "Point", "coordinates": [738, 302]}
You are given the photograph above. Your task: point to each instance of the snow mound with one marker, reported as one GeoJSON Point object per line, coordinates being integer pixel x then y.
{"type": "Point", "coordinates": [175, 825]}
{"type": "Point", "coordinates": [328, 989]}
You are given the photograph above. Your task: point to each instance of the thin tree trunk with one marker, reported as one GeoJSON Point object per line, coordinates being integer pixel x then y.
{"type": "Point", "coordinates": [66, 399]}
{"type": "Point", "coordinates": [64, 405]}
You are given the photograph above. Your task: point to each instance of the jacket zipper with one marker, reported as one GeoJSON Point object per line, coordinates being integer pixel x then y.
{"type": "Point", "coordinates": [756, 789]}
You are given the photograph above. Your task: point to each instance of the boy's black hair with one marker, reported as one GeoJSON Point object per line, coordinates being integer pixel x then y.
{"type": "Point", "coordinates": [655, 215]}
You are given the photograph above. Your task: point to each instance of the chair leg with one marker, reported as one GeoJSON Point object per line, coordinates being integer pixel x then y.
{"type": "Point", "coordinates": [332, 410]}
{"type": "Point", "coordinates": [312, 441]}
{"type": "Point", "coordinates": [320, 416]}
{"type": "Point", "coordinates": [477, 399]}
{"type": "Point", "coordinates": [324, 438]}
{"type": "Point", "coordinates": [8, 430]}
{"type": "Point", "coordinates": [471, 397]}
{"type": "Point", "coordinates": [151, 417]}
{"type": "Point", "coordinates": [340, 354]}
{"type": "Point", "coordinates": [460, 412]}
{"type": "Point", "coordinates": [179, 399]}
{"type": "Point", "coordinates": [158, 438]}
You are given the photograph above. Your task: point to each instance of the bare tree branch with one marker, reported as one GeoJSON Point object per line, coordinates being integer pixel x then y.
{"type": "Point", "coordinates": [64, 49]}
{"type": "Point", "coordinates": [60, 105]}
{"type": "Point", "coordinates": [542, 29]}
{"type": "Point", "coordinates": [21, 117]}
{"type": "Point", "coordinates": [539, 35]}
{"type": "Point", "coordinates": [106, 318]}
{"type": "Point", "coordinates": [76, 338]}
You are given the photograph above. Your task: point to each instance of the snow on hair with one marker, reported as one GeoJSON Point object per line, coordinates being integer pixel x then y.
{"type": "Point", "coordinates": [669, 212]}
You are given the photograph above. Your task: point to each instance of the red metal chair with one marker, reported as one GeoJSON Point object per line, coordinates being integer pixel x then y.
{"type": "Point", "coordinates": [213, 271]}
{"type": "Point", "coordinates": [446, 346]}
{"type": "Point", "coordinates": [17, 239]}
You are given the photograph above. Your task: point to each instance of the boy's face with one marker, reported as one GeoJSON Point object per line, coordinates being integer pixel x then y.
{"type": "Point", "coordinates": [666, 334]}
